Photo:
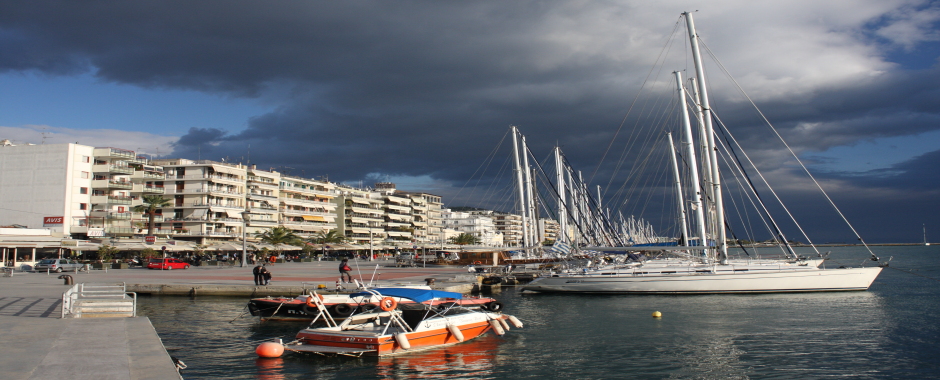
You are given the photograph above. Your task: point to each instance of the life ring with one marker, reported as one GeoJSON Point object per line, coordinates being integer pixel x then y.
{"type": "Point", "coordinates": [310, 300]}
{"type": "Point", "coordinates": [493, 306]}
{"type": "Point", "coordinates": [477, 263]}
{"type": "Point", "coordinates": [388, 304]}
{"type": "Point", "coordinates": [342, 310]}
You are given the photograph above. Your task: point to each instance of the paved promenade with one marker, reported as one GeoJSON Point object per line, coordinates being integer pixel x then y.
{"type": "Point", "coordinates": [39, 345]}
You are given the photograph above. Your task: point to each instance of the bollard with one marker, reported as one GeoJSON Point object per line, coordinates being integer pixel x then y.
{"type": "Point", "coordinates": [430, 281]}
{"type": "Point", "coordinates": [67, 278]}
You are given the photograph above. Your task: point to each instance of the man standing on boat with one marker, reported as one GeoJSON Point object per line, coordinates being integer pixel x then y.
{"type": "Point", "coordinates": [344, 269]}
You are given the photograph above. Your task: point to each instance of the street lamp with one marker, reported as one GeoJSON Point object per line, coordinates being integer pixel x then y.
{"type": "Point", "coordinates": [245, 218]}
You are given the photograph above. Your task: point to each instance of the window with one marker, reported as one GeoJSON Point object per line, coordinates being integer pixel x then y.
{"type": "Point", "coordinates": [85, 175]}
{"type": "Point", "coordinates": [83, 206]}
{"type": "Point", "coordinates": [86, 159]}
{"type": "Point", "coordinates": [83, 190]}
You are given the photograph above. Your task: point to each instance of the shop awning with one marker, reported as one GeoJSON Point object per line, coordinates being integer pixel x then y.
{"type": "Point", "coordinates": [234, 214]}
{"type": "Point", "coordinates": [313, 218]}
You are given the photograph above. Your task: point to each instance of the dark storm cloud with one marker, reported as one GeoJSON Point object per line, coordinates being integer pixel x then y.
{"type": "Point", "coordinates": [429, 88]}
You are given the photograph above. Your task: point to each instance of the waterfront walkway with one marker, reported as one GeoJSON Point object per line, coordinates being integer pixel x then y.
{"type": "Point", "coordinates": [39, 345]}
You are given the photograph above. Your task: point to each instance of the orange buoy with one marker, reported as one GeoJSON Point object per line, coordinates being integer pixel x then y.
{"type": "Point", "coordinates": [270, 350]}
{"type": "Point", "coordinates": [310, 300]}
{"type": "Point", "coordinates": [388, 304]}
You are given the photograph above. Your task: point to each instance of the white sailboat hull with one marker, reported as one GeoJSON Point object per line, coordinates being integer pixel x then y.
{"type": "Point", "coordinates": [785, 281]}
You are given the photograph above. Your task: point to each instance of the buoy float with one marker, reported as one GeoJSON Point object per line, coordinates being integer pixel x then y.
{"type": "Point", "coordinates": [657, 314]}
{"type": "Point", "coordinates": [455, 331]}
{"type": "Point", "coordinates": [515, 322]}
{"type": "Point", "coordinates": [402, 340]}
{"type": "Point", "coordinates": [504, 323]}
{"type": "Point", "coordinates": [270, 350]}
{"type": "Point", "coordinates": [497, 327]}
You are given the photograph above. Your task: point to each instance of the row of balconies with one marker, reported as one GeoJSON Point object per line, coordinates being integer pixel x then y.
{"type": "Point", "coordinates": [112, 168]}
{"type": "Point", "coordinates": [203, 191]}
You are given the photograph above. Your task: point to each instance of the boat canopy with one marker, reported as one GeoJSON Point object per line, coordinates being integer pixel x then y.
{"type": "Point", "coordinates": [417, 295]}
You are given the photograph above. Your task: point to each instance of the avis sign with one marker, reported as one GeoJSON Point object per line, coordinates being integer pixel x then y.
{"type": "Point", "coordinates": [52, 221]}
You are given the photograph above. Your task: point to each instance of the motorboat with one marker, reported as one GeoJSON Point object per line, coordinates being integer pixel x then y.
{"type": "Point", "coordinates": [430, 320]}
{"type": "Point", "coordinates": [340, 306]}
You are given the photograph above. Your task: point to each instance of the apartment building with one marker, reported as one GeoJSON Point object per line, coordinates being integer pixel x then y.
{"type": "Point", "coordinates": [307, 206]}
{"type": "Point", "coordinates": [208, 199]}
{"type": "Point", "coordinates": [46, 186]}
{"type": "Point", "coordinates": [360, 215]}
{"type": "Point", "coordinates": [262, 200]}
{"type": "Point", "coordinates": [548, 230]}
{"type": "Point", "coordinates": [510, 225]}
{"type": "Point", "coordinates": [476, 223]}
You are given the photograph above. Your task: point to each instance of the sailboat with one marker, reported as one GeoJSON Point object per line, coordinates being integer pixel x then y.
{"type": "Point", "coordinates": [706, 268]}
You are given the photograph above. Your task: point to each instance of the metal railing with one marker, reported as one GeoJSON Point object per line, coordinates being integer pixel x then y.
{"type": "Point", "coordinates": [99, 300]}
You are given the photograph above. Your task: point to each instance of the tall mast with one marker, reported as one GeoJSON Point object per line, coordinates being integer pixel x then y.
{"type": "Point", "coordinates": [720, 240]}
{"type": "Point", "coordinates": [562, 206]}
{"type": "Point", "coordinates": [520, 185]}
{"type": "Point", "coordinates": [530, 230]}
{"type": "Point", "coordinates": [683, 226]}
{"type": "Point", "coordinates": [688, 144]}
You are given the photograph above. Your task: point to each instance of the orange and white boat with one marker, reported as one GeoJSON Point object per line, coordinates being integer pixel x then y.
{"type": "Point", "coordinates": [396, 328]}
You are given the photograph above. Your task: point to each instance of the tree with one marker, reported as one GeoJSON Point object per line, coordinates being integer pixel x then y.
{"type": "Point", "coordinates": [150, 206]}
{"type": "Point", "coordinates": [106, 253]}
{"type": "Point", "coordinates": [332, 236]}
{"type": "Point", "coordinates": [279, 235]}
{"type": "Point", "coordinates": [465, 239]}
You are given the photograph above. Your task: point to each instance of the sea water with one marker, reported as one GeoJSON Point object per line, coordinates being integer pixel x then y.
{"type": "Point", "coordinates": [890, 331]}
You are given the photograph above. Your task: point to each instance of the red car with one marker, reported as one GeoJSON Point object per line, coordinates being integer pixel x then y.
{"type": "Point", "coordinates": [170, 264]}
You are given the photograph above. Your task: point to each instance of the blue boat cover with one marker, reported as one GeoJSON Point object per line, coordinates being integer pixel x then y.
{"type": "Point", "coordinates": [417, 295]}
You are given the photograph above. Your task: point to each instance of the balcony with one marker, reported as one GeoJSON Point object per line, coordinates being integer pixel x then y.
{"type": "Point", "coordinates": [148, 175]}
{"type": "Point", "coordinates": [114, 153]}
{"type": "Point", "coordinates": [141, 188]}
{"type": "Point", "coordinates": [110, 200]}
{"type": "Point", "coordinates": [119, 230]}
{"type": "Point", "coordinates": [111, 184]}
{"type": "Point", "coordinates": [112, 168]}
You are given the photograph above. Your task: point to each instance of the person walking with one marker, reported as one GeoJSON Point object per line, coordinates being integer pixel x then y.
{"type": "Point", "coordinates": [344, 269]}
{"type": "Point", "coordinates": [259, 278]}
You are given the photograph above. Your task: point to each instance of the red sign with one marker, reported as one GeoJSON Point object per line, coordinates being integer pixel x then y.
{"type": "Point", "coordinates": [150, 239]}
{"type": "Point", "coordinates": [52, 220]}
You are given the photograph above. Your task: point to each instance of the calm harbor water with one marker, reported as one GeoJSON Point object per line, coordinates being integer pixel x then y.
{"type": "Point", "coordinates": [890, 331]}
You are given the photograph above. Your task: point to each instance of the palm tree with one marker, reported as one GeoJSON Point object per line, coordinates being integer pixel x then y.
{"type": "Point", "coordinates": [279, 235]}
{"type": "Point", "coordinates": [150, 206]}
{"type": "Point", "coordinates": [465, 239]}
{"type": "Point", "coordinates": [332, 236]}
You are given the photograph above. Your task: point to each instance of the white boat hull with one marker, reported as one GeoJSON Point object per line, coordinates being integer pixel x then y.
{"type": "Point", "coordinates": [784, 281]}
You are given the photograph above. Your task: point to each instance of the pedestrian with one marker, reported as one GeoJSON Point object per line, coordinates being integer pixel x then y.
{"type": "Point", "coordinates": [259, 278]}
{"type": "Point", "coordinates": [344, 269]}
{"type": "Point", "coordinates": [267, 275]}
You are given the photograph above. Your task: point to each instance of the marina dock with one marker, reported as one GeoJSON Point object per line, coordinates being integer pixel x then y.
{"type": "Point", "coordinates": [41, 345]}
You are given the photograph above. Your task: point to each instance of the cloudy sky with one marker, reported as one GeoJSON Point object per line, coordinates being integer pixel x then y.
{"type": "Point", "coordinates": [421, 92]}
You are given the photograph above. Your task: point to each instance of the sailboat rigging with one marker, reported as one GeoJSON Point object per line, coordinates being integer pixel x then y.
{"type": "Point", "coordinates": [701, 263]}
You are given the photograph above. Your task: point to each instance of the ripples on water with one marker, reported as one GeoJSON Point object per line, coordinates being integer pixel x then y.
{"type": "Point", "coordinates": [890, 331]}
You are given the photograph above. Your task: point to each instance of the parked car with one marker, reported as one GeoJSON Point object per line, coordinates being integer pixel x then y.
{"type": "Point", "coordinates": [167, 264]}
{"type": "Point", "coordinates": [57, 265]}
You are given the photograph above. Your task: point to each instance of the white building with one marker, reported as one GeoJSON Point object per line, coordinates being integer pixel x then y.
{"type": "Point", "coordinates": [306, 206]}
{"type": "Point", "coordinates": [480, 225]}
{"type": "Point", "coordinates": [47, 186]}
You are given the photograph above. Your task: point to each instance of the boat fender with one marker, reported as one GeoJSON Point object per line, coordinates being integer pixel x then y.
{"type": "Point", "coordinates": [402, 340]}
{"type": "Point", "coordinates": [494, 306]}
{"type": "Point", "coordinates": [388, 304]}
{"type": "Point", "coordinates": [455, 331]}
{"type": "Point", "coordinates": [342, 310]}
{"type": "Point", "coordinates": [515, 322]}
{"type": "Point", "coordinates": [504, 323]}
{"type": "Point", "coordinates": [497, 327]}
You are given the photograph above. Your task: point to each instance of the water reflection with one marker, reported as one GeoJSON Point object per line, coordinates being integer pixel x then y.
{"type": "Point", "coordinates": [469, 360]}
{"type": "Point", "coordinates": [270, 368]}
